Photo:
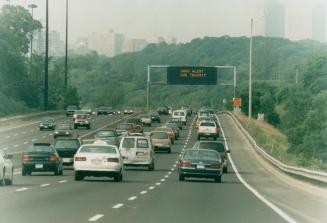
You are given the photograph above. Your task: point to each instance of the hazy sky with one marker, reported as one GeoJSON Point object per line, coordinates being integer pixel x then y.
{"type": "Point", "coordinates": [184, 19]}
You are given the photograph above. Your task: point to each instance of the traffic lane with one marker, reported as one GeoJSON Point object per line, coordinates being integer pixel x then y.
{"type": "Point", "coordinates": [87, 196]}
{"type": "Point", "coordinates": [300, 200]}
{"type": "Point", "coordinates": [195, 200]}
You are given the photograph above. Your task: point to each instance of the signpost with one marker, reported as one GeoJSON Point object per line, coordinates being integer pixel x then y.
{"type": "Point", "coordinates": [191, 75]}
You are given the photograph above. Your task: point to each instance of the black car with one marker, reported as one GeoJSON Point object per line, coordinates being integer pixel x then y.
{"type": "Point", "coordinates": [164, 110]}
{"type": "Point", "coordinates": [41, 157]}
{"type": "Point", "coordinates": [47, 124]}
{"type": "Point", "coordinates": [128, 111]}
{"type": "Point", "coordinates": [71, 110]}
{"type": "Point", "coordinates": [155, 117]}
{"type": "Point", "coordinates": [200, 163]}
{"type": "Point", "coordinates": [218, 146]}
{"type": "Point", "coordinates": [62, 130]}
{"type": "Point", "coordinates": [105, 111]}
{"type": "Point", "coordinates": [66, 148]}
{"type": "Point", "coordinates": [110, 136]}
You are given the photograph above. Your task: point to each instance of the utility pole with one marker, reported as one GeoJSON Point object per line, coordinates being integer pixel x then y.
{"type": "Point", "coordinates": [32, 7]}
{"type": "Point", "coordinates": [46, 64]}
{"type": "Point", "coordinates": [250, 73]}
{"type": "Point", "coordinates": [296, 77]}
{"type": "Point", "coordinates": [66, 46]}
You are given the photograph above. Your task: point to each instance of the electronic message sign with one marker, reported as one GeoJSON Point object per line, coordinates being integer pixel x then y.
{"type": "Point", "coordinates": [191, 75]}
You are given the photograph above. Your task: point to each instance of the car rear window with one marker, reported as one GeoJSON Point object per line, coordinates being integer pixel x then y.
{"type": "Point", "coordinates": [98, 149]}
{"type": "Point", "coordinates": [142, 143]}
{"type": "Point", "coordinates": [201, 155]}
{"type": "Point", "coordinates": [69, 144]}
{"type": "Point", "coordinates": [40, 149]}
{"type": "Point", "coordinates": [128, 143]}
{"type": "Point", "coordinates": [219, 147]}
{"type": "Point", "coordinates": [179, 113]}
{"type": "Point", "coordinates": [159, 135]}
{"type": "Point", "coordinates": [105, 134]}
{"type": "Point", "coordinates": [208, 124]}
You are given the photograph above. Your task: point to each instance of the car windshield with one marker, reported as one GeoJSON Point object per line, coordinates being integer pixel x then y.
{"type": "Point", "coordinates": [179, 114]}
{"type": "Point", "coordinates": [105, 134]}
{"type": "Point", "coordinates": [128, 143]}
{"type": "Point", "coordinates": [201, 155]}
{"type": "Point", "coordinates": [98, 149]}
{"type": "Point", "coordinates": [66, 143]}
{"type": "Point", "coordinates": [81, 117]}
{"type": "Point", "coordinates": [159, 135]}
{"type": "Point", "coordinates": [219, 147]}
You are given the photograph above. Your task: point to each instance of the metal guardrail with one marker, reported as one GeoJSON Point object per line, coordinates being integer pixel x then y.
{"type": "Point", "coordinates": [318, 176]}
{"type": "Point", "coordinates": [31, 115]}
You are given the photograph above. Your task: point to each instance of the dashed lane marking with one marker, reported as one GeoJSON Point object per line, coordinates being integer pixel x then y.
{"type": "Point", "coordinates": [143, 192]}
{"type": "Point", "coordinates": [22, 189]}
{"type": "Point", "coordinates": [158, 184]}
{"type": "Point", "coordinates": [117, 206]}
{"type": "Point", "coordinates": [95, 217]}
{"type": "Point", "coordinates": [151, 188]}
{"type": "Point", "coordinates": [62, 181]}
{"type": "Point", "coordinates": [44, 185]}
{"type": "Point", "coordinates": [132, 198]}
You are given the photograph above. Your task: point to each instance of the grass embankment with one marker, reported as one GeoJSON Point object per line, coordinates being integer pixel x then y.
{"type": "Point", "coordinates": [275, 143]}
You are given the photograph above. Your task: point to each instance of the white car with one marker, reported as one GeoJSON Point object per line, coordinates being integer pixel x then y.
{"type": "Point", "coordinates": [6, 169]}
{"type": "Point", "coordinates": [98, 160]}
{"type": "Point", "coordinates": [180, 114]}
{"type": "Point", "coordinates": [208, 129]}
{"type": "Point", "coordinates": [146, 119]}
{"type": "Point", "coordinates": [137, 151]}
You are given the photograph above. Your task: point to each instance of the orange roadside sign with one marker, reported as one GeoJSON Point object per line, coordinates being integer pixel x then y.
{"type": "Point", "coordinates": [237, 102]}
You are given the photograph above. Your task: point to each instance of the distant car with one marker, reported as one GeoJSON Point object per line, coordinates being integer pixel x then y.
{"type": "Point", "coordinates": [137, 151]}
{"type": "Point", "coordinates": [128, 127]}
{"type": "Point", "coordinates": [128, 111]}
{"type": "Point", "coordinates": [217, 146]}
{"type": "Point", "coordinates": [161, 141]}
{"type": "Point", "coordinates": [181, 114]}
{"type": "Point", "coordinates": [174, 127]}
{"type": "Point", "coordinates": [208, 129]}
{"type": "Point", "coordinates": [163, 110]}
{"type": "Point", "coordinates": [201, 119]}
{"type": "Point", "coordinates": [105, 111]}
{"type": "Point", "coordinates": [62, 130]}
{"type": "Point", "coordinates": [82, 121]}
{"type": "Point", "coordinates": [47, 124]}
{"type": "Point", "coordinates": [98, 160]}
{"type": "Point", "coordinates": [200, 163]}
{"type": "Point", "coordinates": [66, 148]}
{"type": "Point", "coordinates": [79, 112]}
{"type": "Point", "coordinates": [41, 157]}
{"type": "Point", "coordinates": [87, 110]}
{"type": "Point", "coordinates": [138, 123]}
{"type": "Point", "coordinates": [110, 136]}
{"type": "Point", "coordinates": [6, 169]}
{"type": "Point", "coordinates": [178, 122]}
{"type": "Point", "coordinates": [170, 132]}
{"type": "Point", "coordinates": [188, 110]}
{"type": "Point", "coordinates": [146, 119]}
{"type": "Point", "coordinates": [71, 110]}
{"type": "Point", "coordinates": [155, 117]}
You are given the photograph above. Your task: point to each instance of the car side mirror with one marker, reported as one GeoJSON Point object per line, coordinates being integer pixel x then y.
{"type": "Point", "coordinates": [9, 156]}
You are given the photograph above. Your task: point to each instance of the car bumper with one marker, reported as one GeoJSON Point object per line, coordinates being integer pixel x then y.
{"type": "Point", "coordinates": [138, 162]}
{"type": "Point", "coordinates": [98, 173]}
{"type": "Point", "coordinates": [206, 173]}
{"type": "Point", "coordinates": [204, 134]}
{"type": "Point", "coordinates": [40, 166]}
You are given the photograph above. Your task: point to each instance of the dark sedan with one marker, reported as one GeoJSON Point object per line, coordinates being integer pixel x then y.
{"type": "Point", "coordinates": [200, 163]}
{"type": "Point", "coordinates": [41, 157]}
{"type": "Point", "coordinates": [155, 117]}
{"type": "Point", "coordinates": [62, 130]}
{"type": "Point", "coordinates": [109, 136]}
{"type": "Point", "coordinates": [47, 124]}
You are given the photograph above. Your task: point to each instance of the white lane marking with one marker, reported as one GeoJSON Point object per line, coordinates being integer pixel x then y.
{"type": "Point", "coordinates": [62, 181]}
{"type": "Point", "coordinates": [7, 137]}
{"type": "Point", "coordinates": [151, 188]}
{"type": "Point", "coordinates": [43, 137]}
{"type": "Point", "coordinates": [16, 146]}
{"type": "Point", "coordinates": [276, 209]}
{"type": "Point", "coordinates": [25, 143]}
{"type": "Point", "coordinates": [162, 180]}
{"type": "Point", "coordinates": [5, 148]}
{"type": "Point", "coordinates": [158, 183]}
{"type": "Point", "coordinates": [174, 165]}
{"type": "Point", "coordinates": [166, 176]}
{"type": "Point", "coordinates": [44, 185]}
{"type": "Point", "coordinates": [169, 172]}
{"type": "Point", "coordinates": [32, 130]}
{"type": "Point", "coordinates": [22, 189]}
{"type": "Point", "coordinates": [172, 169]}
{"type": "Point", "coordinates": [132, 198]}
{"type": "Point", "coordinates": [95, 217]}
{"type": "Point", "coordinates": [117, 206]}
{"type": "Point", "coordinates": [50, 134]}
{"type": "Point", "coordinates": [33, 140]}
{"type": "Point", "coordinates": [23, 132]}
{"type": "Point", "coordinates": [143, 192]}
{"type": "Point", "coordinates": [16, 134]}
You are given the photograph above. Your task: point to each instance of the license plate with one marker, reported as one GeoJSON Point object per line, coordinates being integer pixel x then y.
{"type": "Point", "coordinates": [38, 166]}
{"type": "Point", "coordinates": [67, 160]}
{"type": "Point", "coordinates": [96, 162]}
{"type": "Point", "coordinates": [199, 166]}
{"type": "Point", "coordinates": [139, 153]}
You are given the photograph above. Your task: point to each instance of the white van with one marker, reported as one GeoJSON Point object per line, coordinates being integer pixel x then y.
{"type": "Point", "coordinates": [180, 114]}
{"type": "Point", "coordinates": [137, 151]}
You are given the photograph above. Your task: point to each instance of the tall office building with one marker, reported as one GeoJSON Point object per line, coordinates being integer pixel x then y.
{"type": "Point", "coordinates": [134, 45]}
{"type": "Point", "coordinates": [56, 44]}
{"type": "Point", "coordinates": [119, 43]}
{"type": "Point", "coordinates": [274, 19]}
{"type": "Point", "coordinates": [102, 43]}
{"type": "Point", "coordinates": [319, 22]}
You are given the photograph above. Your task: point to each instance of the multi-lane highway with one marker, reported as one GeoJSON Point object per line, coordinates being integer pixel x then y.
{"type": "Point", "coordinates": [253, 192]}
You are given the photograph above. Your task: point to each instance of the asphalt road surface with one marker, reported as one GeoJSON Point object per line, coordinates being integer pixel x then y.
{"type": "Point", "coordinates": [257, 193]}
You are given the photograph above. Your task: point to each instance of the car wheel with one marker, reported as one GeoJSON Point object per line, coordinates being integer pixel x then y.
{"type": "Point", "coordinates": [11, 179]}
{"type": "Point", "coordinates": [199, 137]}
{"type": "Point", "coordinates": [169, 150]}
{"type": "Point", "coordinates": [214, 138]}
{"type": "Point", "coordinates": [118, 177]}
{"type": "Point", "coordinates": [61, 171]}
{"type": "Point", "coordinates": [57, 171]}
{"type": "Point", "coordinates": [181, 177]}
{"type": "Point", "coordinates": [218, 179]}
{"type": "Point", "coordinates": [75, 126]}
{"type": "Point", "coordinates": [78, 176]}
{"type": "Point", "coordinates": [2, 181]}
{"type": "Point", "coordinates": [24, 173]}
{"type": "Point", "coordinates": [225, 170]}
{"type": "Point", "coordinates": [151, 167]}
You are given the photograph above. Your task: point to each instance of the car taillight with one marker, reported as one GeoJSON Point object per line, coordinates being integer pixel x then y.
{"type": "Point", "coordinates": [79, 158]}
{"type": "Point", "coordinates": [113, 160]}
{"type": "Point", "coordinates": [25, 158]}
{"type": "Point", "coordinates": [184, 163]}
{"type": "Point", "coordinates": [53, 158]}
{"type": "Point", "coordinates": [215, 165]}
